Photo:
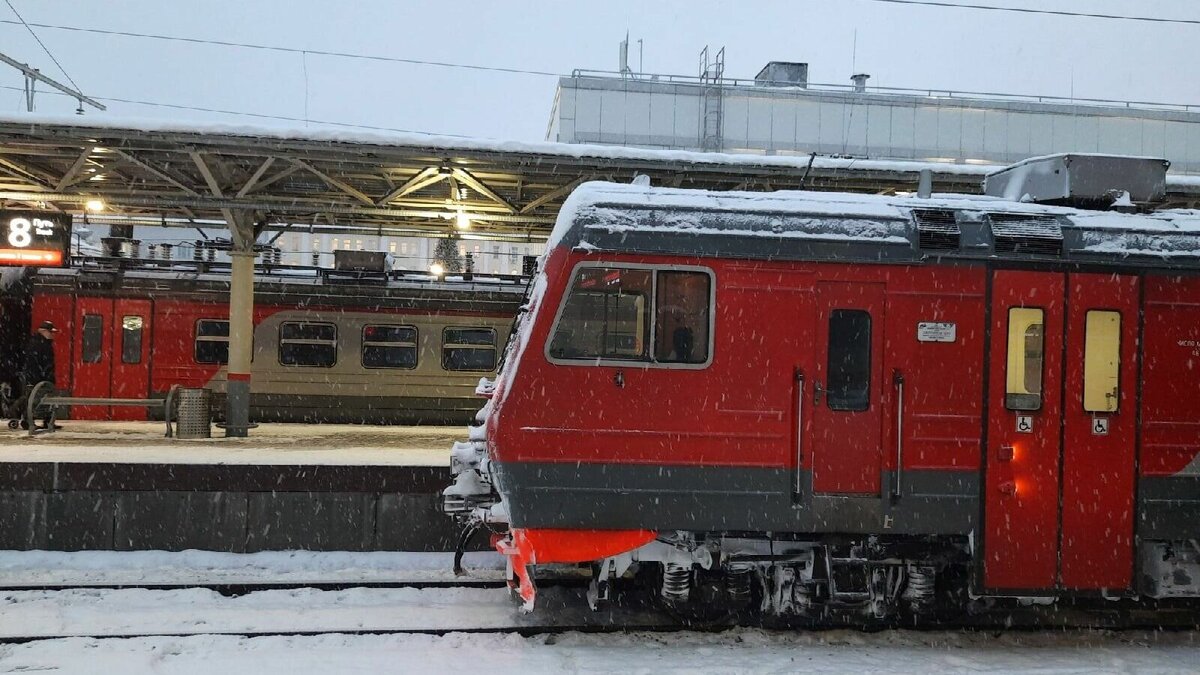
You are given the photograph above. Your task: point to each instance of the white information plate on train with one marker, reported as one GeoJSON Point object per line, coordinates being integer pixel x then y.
{"type": "Point", "coordinates": [936, 331]}
{"type": "Point", "coordinates": [34, 238]}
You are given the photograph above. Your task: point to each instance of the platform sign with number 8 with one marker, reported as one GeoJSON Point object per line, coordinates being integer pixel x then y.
{"type": "Point", "coordinates": [34, 238]}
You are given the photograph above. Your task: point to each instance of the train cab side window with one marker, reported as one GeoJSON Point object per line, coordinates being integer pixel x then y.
{"type": "Point", "coordinates": [389, 347]}
{"type": "Point", "coordinates": [1101, 361]}
{"type": "Point", "coordinates": [303, 343]}
{"type": "Point", "coordinates": [469, 349]}
{"type": "Point", "coordinates": [606, 316]}
{"type": "Point", "coordinates": [1026, 352]}
{"type": "Point", "coordinates": [93, 338]}
{"type": "Point", "coordinates": [681, 317]}
{"type": "Point", "coordinates": [131, 339]}
{"type": "Point", "coordinates": [212, 341]}
{"type": "Point", "coordinates": [849, 385]}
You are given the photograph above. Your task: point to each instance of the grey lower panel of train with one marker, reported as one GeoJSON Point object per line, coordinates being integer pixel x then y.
{"type": "Point", "coordinates": [732, 499]}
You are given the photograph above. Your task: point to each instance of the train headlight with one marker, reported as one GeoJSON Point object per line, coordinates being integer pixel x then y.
{"type": "Point", "coordinates": [437, 270]}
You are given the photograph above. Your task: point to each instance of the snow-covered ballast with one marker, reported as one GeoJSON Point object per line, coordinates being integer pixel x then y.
{"type": "Point", "coordinates": [870, 228]}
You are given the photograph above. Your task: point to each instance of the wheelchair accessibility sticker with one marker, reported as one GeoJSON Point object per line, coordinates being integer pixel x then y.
{"type": "Point", "coordinates": [1025, 424]}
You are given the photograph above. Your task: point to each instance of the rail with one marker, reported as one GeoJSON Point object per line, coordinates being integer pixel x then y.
{"type": "Point", "coordinates": [41, 398]}
{"type": "Point", "coordinates": [732, 82]}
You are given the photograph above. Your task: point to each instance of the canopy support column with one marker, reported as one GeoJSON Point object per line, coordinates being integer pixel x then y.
{"type": "Point", "coordinates": [241, 329]}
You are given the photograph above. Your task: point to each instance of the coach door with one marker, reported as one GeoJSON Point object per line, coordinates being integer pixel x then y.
{"type": "Point", "coordinates": [1060, 458]}
{"type": "Point", "coordinates": [130, 356]}
{"type": "Point", "coordinates": [93, 355]}
{"type": "Point", "coordinates": [846, 453]}
{"type": "Point", "coordinates": [112, 356]}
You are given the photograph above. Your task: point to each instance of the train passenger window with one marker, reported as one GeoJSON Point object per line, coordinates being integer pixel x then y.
{"type": "Point", "coordinates": [131, 339]}
{"type": "Point", "coordinates": [93, 338]}
{"type": "Point", "coordinates": [606, 316]}
{"type": "Point", "coordinates": [1101, 361]}
{"type": "Point", "coordinates": [849, 378]}
{"type": "Point", "coordinates": [469, 349]}
{"type": "Point", "coordinates": [302, 343]}
{"type": "Point", "coordinates": [389, 347]}
{"type": "Point", "coordinates": [681, 317]}
{"type": "Point", "coordinates": [212, 341]}
{"type": "Point", "coordinates": [1025, 357]}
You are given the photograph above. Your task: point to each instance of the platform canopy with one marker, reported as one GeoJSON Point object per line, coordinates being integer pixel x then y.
{"type": "Point", "coordinates": [401, 184]}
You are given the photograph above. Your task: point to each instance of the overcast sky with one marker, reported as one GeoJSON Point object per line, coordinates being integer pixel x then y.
{"type": "Point", "coordinates": [903, 46]}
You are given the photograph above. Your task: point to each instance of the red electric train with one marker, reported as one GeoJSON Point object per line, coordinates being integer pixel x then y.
{"type": "Point", "coordinates": [329, 346]}
{"type": "Point", "coordinates": [813, 403]}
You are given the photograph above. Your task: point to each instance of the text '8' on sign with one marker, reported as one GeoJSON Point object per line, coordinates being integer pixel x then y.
{"type": "Point", "coordinates": [34, 238]}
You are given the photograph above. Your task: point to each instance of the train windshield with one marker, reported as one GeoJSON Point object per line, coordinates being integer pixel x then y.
{"type": "Point", "coordinates": [606, 315]}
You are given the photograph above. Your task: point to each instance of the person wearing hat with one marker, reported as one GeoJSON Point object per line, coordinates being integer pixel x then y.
{"type": "Point", "coordinates": [38, 366]}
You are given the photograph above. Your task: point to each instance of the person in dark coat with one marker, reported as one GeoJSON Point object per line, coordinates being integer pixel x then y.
{"type": "Point", "coordinates": [38, 365]}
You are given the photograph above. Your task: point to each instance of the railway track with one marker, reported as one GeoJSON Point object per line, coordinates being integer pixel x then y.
{"type": "Point", "coordinates": [32, 613]}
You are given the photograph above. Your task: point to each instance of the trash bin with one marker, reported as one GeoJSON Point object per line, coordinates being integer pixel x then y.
{"type": "Point", "coordinates": [194, 417]}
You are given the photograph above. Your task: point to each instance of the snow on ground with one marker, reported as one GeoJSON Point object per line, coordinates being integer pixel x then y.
{"type": "Point", "coordinates": [737, 651]}
{"type": "Point", "coordinates": [20, 569]}
{"type": "Point", "coordinates": [326, 444]}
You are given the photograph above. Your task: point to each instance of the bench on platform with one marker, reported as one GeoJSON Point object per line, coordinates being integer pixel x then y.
{"type": "Point", "coordinates": [42, 397]}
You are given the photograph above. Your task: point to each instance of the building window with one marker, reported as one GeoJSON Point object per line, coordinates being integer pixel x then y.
{"type": "Point", "coordinates": [469, 349]}
{"type": "Point", "coordinates": [391, 247]}
{"type": "Point", "coordinates": [389, 347]}
{"type": "Point", "coordinates": [1026, 351]}
{"type": "Point", "coordinates": [1102, 361]}
{"type": "Point", "coordinates": [302, 343]}
{"type": "Point", "coordinates": [93, 338]}
{"type": "Point", "coordinates": [131, 339]}
{"type": "Point", "coordinates": [849, 368]}
{"type": "Point", "coordinates": [615, 313]}
{"type": "Point", "coordinates": [212, 341]}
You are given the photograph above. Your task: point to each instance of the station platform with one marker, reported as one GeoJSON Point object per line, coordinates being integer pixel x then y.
{"type": "Point", "coordinates": [124, 486]}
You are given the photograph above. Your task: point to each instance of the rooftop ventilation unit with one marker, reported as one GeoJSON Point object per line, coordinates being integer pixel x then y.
{"type": "Point", "coordinates": [937, 229]}
{"type": "Point", "coordinates": [782, 74]}
{"type": "Point", "coordinates": [1081, 180]}
{"type": "Point", "coordinates": [1026, 234]}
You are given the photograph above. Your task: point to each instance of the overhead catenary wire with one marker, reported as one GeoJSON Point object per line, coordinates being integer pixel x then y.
{"type": "Point", "coordinates": [219, 111]}
{"type": "Point", "coordinates": [289, 50]}
{"type": "Point", "coordinates": [42, 44]}
{"type": "Point", "coordinates": [1050, 12]}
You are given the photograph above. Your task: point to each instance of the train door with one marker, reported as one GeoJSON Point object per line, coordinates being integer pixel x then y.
{"type": "Point", "coordinates": [130, 355]}
{"type": "Point", "coordinates": [846, 428]}
{"type": "Point", "coordinates": [93, 354]}
{"type": "Point", "coordinates": [1060, 456]}
{"type": "Point", "coordinates": [1099, 432]}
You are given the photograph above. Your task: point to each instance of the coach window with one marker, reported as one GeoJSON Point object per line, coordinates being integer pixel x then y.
{"type": "Point", "coordinates": [389, 347]}
{"type": "Point", "coordinates": [93, 338]}
{"type": "Point", "coordinates": [606, 316]}
{"type": "Point", "coordinates": [1026, 351]}
{"type": "Point", "coordinates": [212, 341]}
{"type": "Point", "coordinates": [302, 343]}
{"type": "Point", "coordinates": [849, 385]}
{"type": "Point", "coordinates": [469, 349]}
{"type": "Point", "coordinates": [681, 317]}
{"type": "Point", "coordinates": [1101, 361]}
{"type": "Point", "coordinates": [131, 339]}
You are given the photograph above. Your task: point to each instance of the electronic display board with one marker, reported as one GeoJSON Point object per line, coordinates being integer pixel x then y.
{"type": "Point", "coordinates": [35, 238]}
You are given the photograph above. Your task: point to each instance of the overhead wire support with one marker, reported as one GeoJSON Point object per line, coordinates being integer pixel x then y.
{"type": "Point", "coordinates": [33, 76]}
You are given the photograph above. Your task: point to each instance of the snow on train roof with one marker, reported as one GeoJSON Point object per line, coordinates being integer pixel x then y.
{"type": "Point", "coordinates": [603, 210]}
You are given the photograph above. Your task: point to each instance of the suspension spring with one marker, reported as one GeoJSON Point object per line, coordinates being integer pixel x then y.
{"type": "Point", "coordinates": [677, 582]}
{"type": "Point", "coordinates": [739, 578]}
{"type": "Point", "coordinates": [920, 588]}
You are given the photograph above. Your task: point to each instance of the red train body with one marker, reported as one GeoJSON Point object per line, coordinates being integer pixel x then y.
{"type": "Point", "coordinates": [373, 351]}
{"type": "Point", "coordinates": [850, 403]}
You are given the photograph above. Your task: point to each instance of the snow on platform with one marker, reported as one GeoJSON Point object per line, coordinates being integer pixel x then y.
{"type": "Point", "coordinates": [269, 444]}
